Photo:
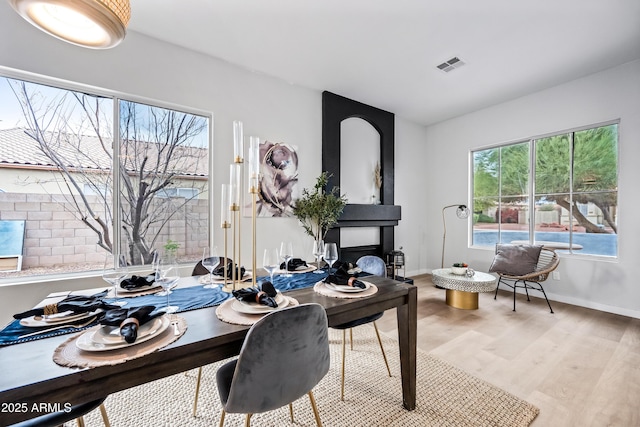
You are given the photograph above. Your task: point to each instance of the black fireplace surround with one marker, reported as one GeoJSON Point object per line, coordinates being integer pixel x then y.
{"type": "Point", "coordinates": [386, 215]}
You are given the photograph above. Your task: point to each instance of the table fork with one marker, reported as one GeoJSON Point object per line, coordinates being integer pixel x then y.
{"type": "Point", "coordinates": [72, 325]}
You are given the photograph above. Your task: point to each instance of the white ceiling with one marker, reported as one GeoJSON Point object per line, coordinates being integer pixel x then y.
{"type": "Point", "coordinates": [385, 52]}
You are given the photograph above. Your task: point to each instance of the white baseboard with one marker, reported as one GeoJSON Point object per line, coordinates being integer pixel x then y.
{"type": "Point", "coordinates": [569, 300]}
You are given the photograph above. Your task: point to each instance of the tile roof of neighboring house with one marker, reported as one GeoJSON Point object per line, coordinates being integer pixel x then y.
{"type": "Point", "coordinates": [18, 148]}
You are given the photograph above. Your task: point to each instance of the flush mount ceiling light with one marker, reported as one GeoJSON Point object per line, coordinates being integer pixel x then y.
{"type": "Point", "coordinates": [98, 24]}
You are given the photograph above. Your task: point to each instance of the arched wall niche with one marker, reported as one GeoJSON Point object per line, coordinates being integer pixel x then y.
{"type": "Point", "coordinates": [384, 216]}
{"type": "Point", "coordinates": [359, 154]}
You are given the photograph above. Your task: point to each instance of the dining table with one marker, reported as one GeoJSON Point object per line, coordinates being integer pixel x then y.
{"type": "Point", "coordinates": [31, 383]}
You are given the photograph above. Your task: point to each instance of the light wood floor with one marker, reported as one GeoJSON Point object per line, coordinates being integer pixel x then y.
{"type": "Point", "coordinates": [581, 367]}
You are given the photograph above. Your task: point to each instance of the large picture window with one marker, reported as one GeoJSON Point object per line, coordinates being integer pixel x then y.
{"type": "Point", "coordinates": [561, 188]}
{"type": "Point", "coordinates": [95, 176]}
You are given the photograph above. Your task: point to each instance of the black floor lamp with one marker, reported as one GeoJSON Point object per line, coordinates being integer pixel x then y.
{"type": "Point", "coordinates": [463, 213]}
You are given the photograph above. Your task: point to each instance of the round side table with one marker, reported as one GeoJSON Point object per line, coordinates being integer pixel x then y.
{"type": "Point", "coordinates": [462, 291]}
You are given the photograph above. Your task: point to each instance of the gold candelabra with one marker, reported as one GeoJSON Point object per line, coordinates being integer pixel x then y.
{"type": "Point", "coordinates": [254, 184]}
{"type": "Point", "coordinates": [235, 184]}
{"type": "Point", "coordinates": [225, 227]}
{"type": "Point", "coordinates": [254, 195]}
{"type": "Point", "coordinates": [235, 233]}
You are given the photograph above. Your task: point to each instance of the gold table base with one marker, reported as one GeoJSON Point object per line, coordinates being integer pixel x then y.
{"type": "Point", "coordinates": [462, 300]}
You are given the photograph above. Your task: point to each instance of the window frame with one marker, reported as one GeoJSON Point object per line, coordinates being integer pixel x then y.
{"type": "Point", "coordinates": [116, 97]}
{"type": "Point", "coordinates": [531, 186]}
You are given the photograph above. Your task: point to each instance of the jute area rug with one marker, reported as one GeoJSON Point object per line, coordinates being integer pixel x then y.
{"type": "Point", "coordinates": [446, 396]}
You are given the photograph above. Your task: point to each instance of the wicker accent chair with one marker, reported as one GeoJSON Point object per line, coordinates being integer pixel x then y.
{"type": "Point", "coordinates": [547, 262]}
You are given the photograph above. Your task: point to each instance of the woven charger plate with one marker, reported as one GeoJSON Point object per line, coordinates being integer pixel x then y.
{"type": "Point", "coordinates": [227, 314]}
{"type": "Point", "coordinates": [218, 280]}
{"type": "Point", "coordinates": [131, 294]}
{"type": "Point", "coordinates": [322, 289]}
{"type": "Point", "coordinates": [307, 269]}
{"type": "Point", "coordinates": [68, 354]}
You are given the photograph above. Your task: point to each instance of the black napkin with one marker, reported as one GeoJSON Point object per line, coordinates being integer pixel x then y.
{"type": "Point", "coordinates": [75, 303]}
{"type": "Point", "coordinates": [341, 277]}
{"type": "Point", "coordinates": [219, 271]}
{"type": "Point", "coordinates": [129, 320]}
{"type": "Point", "coordinates": [136, 282]}
{"type": "Point", "coordinates": [342, 265]}
{"type": "Point", "coordinates": [294, 264]}
{"type": "Point", "coordinates": [265, 296]}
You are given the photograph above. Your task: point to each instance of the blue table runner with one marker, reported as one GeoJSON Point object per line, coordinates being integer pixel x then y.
{"type": "Point", "coordinates": [189, 298]}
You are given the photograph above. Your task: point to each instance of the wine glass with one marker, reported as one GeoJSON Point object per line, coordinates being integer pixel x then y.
{"type": "Point", "coordinates": [167, 274]}
{"type": "Point", "coordinates": [286, 253]}
{"type": "Point", "coordinates": [210, 261]}
{"type": "Point", "coordinates": [270, 261]}
{"type": "Point", "coordinates": [318, 251]}
{"type": "Point", "coordinates": [330, 254]}
{"type": "Point", "coordinates": [155, 258]}
{"type": "Point", "coordinates": [115, 275]}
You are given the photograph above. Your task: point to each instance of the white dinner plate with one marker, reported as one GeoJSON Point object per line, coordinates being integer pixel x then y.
{"type": "Point", "coordinates": [85, 341]}
{"type": "Point", "coordinates": [345, 288]}
{"type": "Point", "coordinates": [111, 334]}
{"type": "Point", "coordinates": [56, 319]}
{"type": "Point", "coordinates": [255, 308]}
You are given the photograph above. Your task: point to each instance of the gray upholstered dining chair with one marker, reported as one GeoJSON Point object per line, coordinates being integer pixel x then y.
{"type": "Point", "coordinates": [75, 412]}
{"type": "Point", "coordinates": [284, 355]}
{"type": "Point", "coordinates": [373, 265]}
{"type": "Point", "coordinates": [200, 270]}
{"type": "Point", "coordinates": [376, 266]}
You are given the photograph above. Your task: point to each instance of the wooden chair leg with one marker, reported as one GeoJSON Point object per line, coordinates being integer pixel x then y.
{"type": "Point", "coordinates": [316, 414]}
{"type": "Point", "coordinates": [80, 421]}
{"type": "Point", "coordinates": [247, 422]}
{"type": "Point", "coordinates": [384, 356]}
{"type": "Point", "coordinates": [195, 400]}
{"type": "Point", "coordinates": [222, 418]}
{"type": "Point", "coordinates": [105, 418]}
{"type": "Point", "coordinates": [291, 412]}
{"type": "Point", "coordinates": [351, 337]}
{"type": "Point", "coordinates": [344, 337]}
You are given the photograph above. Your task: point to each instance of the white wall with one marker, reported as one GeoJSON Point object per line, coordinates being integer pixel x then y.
{"type": "Point", "coordinates": [612, 94]}
{"type": "Point", "coordinates": [269, 108]}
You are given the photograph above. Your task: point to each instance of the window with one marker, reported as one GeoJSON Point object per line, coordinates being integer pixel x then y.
{"type": "Point", "coordinates": [561, 188]}
{"type": "Point", "coordinates": [187, 193]}
{"type": "Point", "coordinates": [93, 181]}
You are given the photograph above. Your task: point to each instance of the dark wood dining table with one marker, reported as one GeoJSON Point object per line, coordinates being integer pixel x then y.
{"type": "Point", "coordinates": [29, 376]}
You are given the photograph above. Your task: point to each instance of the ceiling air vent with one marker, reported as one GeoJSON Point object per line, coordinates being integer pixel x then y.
{"type": "Point", "coordinates": [451, 64]}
